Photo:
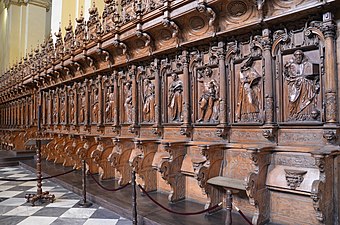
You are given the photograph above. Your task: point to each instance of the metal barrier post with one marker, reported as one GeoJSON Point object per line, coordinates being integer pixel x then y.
{"type": "Point", "coordinates": [228, 219]}
{"type": "Point", "coordinates": [134, 198]}
{"type": "Point", "coordinates": [84, 203]}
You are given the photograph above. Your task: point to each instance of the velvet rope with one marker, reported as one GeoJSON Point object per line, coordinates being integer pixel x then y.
{"type": "Point", "coordinates": [179, 213]}
{"type": "Point", "coordinates": [243, 216]}
{"type": "Point", "coordinates": [106, 189]}
{"type": "Point", "coordinates": [36, 179]}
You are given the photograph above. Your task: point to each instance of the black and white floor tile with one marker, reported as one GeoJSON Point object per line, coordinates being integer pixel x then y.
{"type": "Point", "coordinates": [64, 210]}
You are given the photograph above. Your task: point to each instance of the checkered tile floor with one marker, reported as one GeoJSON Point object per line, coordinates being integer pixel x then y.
{"type": "Point", "coordinates": [64, 210]}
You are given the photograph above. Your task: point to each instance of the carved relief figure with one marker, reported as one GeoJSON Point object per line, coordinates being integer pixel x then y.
{"type": "Point", "coordinates": [95, 106]}
{"type": "Point", "coordinates": [128, 102]}
{"type": "Point", "coordinates": [208, 104]}
{"type": "Point", "coordinates": [175, 98]}
{"type": "Point", "coordinates": [82, 108]}
{"type": "Point", "coordinates": [249, 93]}
{"type": "Point", "coordinates": [302, 78]}
{"type": "Point", "coordinates": [149, 100]}
{"type": "Point", "coordinates": [110, 103]}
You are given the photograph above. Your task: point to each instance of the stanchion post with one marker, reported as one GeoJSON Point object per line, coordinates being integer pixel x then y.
{"type": "Point", "coordinates": [134, 198]}
{"type": "Point", "coordinates": [39, 176]}
{"type": "Point", "coordinates": [229, 202]}
{"type": "Point", "coordinates": [84, 203]}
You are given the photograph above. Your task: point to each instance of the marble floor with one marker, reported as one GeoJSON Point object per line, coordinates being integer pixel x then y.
{"type": "Point", "coordinates": [64, 210]}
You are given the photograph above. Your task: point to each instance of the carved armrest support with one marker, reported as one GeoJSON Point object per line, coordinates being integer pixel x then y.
{"type": "Point", "coordinates": [251, 187]}
{"type": "Point", "coordinates": [81, 153]}
{"type": "Point", "coordinates": [317, 195]}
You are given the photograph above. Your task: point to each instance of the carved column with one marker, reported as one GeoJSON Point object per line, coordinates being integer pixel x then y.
{"type": "Point", "coordinates": [86, 111]}
{"type": "Point", "coordinates": [100, 101]}
{"type": "Point", "coordinates": [76, 103]}
{"type": "Point", "coordinates": [116, 94]}
{"type": "Point", "coordinates": [58, 105]}
{"type": "Point", "coordinates": [134, 97]}
{"type": "Point", "coordinates": [329, 29]}
{"type": "Point", "coordinates": [187, 88]}
{"type": "Point", "coordinates": [44, 108]}
{"type": "Point", "coordinates": [266, 43]}
{"type": "Point", "coordinates": [66, 110]}
{"type": "Point", "coordinates": [158, 97]}
{"type": "Point", "coordinates": [21, 109]}
{"type": "Point", "coordinates": [49, 110]}
{"type": "Point", "coordinates": [186, 128]}
{"type": "Point", "coordinates": [223, 83]}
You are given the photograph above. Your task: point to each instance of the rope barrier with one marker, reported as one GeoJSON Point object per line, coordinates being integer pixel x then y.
{"type": "Point", "coordinates": [179, 213]}
{"type": "Point", "coordinates": [243, 216]}
{"type": "Point", "coordinates": [106, 189]}
{"type": "Point", "coordinates": [36, 179]}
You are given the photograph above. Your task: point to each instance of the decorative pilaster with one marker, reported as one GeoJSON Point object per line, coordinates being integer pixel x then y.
{"type": "Point", "coordinates": [116, 96]}
{"type": "Point", "coordinates": [158, 100]}
{"type": "Point", "coordinates": [329, 31]}
{"type": "Point", "coordinates": [100, 103]}
{"type": "Point", "coordinates": [266, 43]}
{"type": "Point", "coordinates": [87, 96]}
{"type": "Point", "coordinates": [186, 127]}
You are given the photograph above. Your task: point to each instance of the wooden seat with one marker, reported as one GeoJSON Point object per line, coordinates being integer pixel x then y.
{"type": "Point", "coordinates": [228, 183]}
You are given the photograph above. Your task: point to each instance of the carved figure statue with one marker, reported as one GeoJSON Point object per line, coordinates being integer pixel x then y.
{"type": "Point", "coordinates": [110, 103]}
{"type": "Point", "coordinates": [249, 93]}
{"type": "Point", "coordinates": [302, 78]}
{"type": "Point", "coordinates": [149, 100]}
{"type": "Point", "coordinates": [208, 101]}
{"type": "Point", "coordinates": [95, 106]}
{"type": "Point", "coordinates": [128, 102]}
{"type": "Point", "coordinates": [175, 98]}
{"type": "Point", "coordinates": [82, 108]}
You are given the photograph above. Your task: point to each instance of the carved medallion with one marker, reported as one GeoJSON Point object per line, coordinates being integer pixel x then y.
{"type": "Point", "coordinates": [165, 35]}
{"type": "Point", "coordinates": [140, 44]}
{"type": "Point", "coordinates": [196, 23]}
{"type": "Point", "coordinates": [237, 8]}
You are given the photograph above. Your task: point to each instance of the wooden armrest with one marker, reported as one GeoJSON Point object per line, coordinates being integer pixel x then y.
{"type": "Point", "coordinates": [227, 182]}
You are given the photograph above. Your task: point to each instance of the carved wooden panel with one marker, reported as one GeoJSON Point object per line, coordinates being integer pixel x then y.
{"type": "Point", "coordinates": [299, 74]}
